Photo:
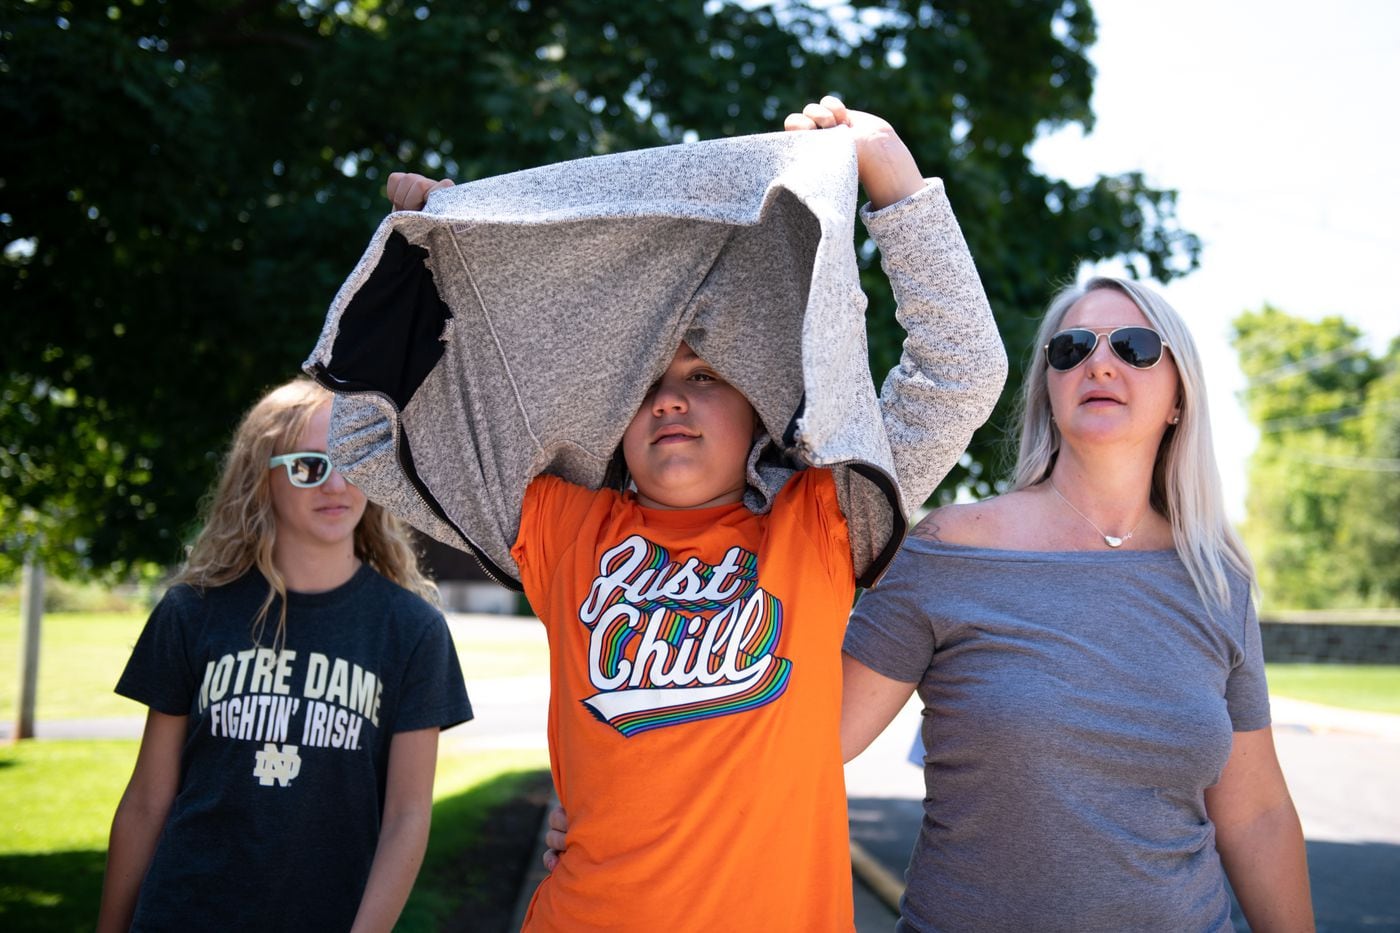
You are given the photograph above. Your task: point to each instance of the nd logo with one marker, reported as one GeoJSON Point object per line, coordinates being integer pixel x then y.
{"type": "Point", "coordinates": [274, 764]}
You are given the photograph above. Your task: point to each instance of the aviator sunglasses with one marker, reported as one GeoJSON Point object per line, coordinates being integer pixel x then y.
{"type": "Point", "coordinates": [1139, 347]}
{"type": "Point", "coordinates": [304, 470]}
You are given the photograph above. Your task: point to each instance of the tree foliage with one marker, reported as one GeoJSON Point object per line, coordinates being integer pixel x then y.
{"type": "Point", "coordinates": [1324, 485]}
{"type": "Point", "coordinates": [184, 184]}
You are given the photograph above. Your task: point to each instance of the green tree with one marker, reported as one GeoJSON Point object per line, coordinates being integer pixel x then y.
{"type": "Point", "coordinates": [1324, 492]}
{"type": "Point", "coordinates": [1373, 508]}
{"type": "Point", "coordinates": [184, 184]}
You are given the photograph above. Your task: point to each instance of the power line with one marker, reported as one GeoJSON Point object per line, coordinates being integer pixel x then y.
{"type": "Point", "coordinates": [1333, 416]}
{"type": "Point", "coordinates": [1360, 464]}
{"type": "Point", "coordinates": [1308, 363]}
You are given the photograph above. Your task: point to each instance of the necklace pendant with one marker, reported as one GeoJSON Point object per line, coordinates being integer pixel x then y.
{"type": "Point", "coordinates": [1112, 541]}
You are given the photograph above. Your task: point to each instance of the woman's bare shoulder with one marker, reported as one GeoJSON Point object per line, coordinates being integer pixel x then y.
{"type": "Point", "coordinates": [988, 523]}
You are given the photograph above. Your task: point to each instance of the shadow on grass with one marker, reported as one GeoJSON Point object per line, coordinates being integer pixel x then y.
{"type": "Point", "coordinates": [482, 842]}
{"type": "Point", "coordinates": [56, 891]}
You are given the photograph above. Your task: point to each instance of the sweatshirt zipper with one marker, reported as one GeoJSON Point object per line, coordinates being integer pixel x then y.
{"type": "Point", "coordinates": [323, 376]}
{"type": "Point", "coordinates": [886, 485]}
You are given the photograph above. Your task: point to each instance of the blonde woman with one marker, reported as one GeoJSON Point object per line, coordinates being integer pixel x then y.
{"type": "Point", "coordinates": [297, 678]}
{"type": "Point", "coordinates": [1096, 718]}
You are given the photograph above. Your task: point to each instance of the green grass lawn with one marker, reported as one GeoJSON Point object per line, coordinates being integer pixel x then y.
{"type": "Point", "coordinates": [1374, 687]}
{"type": "Point", "coordinates": [469, 786]}
{"type": "Point", "coordinates": [57, 799]}
{"type": "Point", "coordinates": [81, 655]}
{"type": "Point", "coordinates": [56, 803]}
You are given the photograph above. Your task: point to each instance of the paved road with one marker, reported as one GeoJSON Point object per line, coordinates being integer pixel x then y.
{"type": "Point", "coordinates": [1343, 768]}
{"type": "Point", "coordinates": [1345, 783]}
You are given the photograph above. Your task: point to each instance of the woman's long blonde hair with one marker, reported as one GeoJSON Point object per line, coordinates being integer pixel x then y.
{"type": "Point", "coordinates": [1185, 480]}
{"type": "Point", "coordinates": [240, 527]}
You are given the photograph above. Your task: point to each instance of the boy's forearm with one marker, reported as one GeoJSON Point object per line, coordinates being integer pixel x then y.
{"type": "Point", "coordinates": [953, 365]}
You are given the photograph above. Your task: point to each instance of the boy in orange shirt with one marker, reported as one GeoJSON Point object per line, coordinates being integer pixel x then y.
{"type": "Point", "coordinates": [695, 629]}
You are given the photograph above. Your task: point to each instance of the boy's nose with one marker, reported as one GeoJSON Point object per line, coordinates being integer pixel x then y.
{"type": "Point", "coordinates": [668, 398]}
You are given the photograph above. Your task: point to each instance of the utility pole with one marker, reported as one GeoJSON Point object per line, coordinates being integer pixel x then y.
{"type": "Point", "coordinates": [31, 610]}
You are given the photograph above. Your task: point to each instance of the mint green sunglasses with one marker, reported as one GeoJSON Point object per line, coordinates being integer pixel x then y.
{"type": "Point", "coordinates": [305, 470]}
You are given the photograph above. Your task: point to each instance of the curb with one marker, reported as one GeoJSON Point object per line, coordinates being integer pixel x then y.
{"type": "Point", "coordinates": [1315, 718]}
{"type": "Point", "coordinates": [878, 879]}
{"type": "Point", "coordinates": [534, 870]}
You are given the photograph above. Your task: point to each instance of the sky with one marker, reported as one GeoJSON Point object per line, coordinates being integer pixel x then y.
{"type": "Point", "coordinates": [1278, 124]}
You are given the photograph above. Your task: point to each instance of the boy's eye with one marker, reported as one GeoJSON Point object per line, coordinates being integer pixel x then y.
{"type": "Point", "coordinates": [704, 377]}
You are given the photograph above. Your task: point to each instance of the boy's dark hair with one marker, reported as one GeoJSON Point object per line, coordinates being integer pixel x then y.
{"type": "Point", "coordinates": [617, 477]}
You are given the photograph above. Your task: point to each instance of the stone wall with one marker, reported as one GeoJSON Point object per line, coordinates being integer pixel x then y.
{"type": "Point", "coordinates": [1330, 642]}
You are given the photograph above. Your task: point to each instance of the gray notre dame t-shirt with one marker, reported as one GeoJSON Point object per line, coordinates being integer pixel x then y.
{"type": "Point", "coordinates": [1076, 706]}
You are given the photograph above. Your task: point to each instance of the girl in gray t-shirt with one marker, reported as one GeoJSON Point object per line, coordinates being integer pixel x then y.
{"type": "Point", "coordinates": [1096, 718]}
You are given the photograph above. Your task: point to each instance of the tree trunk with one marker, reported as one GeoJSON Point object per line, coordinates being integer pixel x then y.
{"type": "Point", "coordinates": [31, 609]}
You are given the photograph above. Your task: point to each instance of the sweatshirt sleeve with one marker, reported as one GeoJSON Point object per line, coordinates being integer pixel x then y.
{"type": "Point", "coordinates": [953, 364]}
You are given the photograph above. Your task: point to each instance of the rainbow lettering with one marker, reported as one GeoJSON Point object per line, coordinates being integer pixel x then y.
{"type": "Point", "coordinates": [656, 661]}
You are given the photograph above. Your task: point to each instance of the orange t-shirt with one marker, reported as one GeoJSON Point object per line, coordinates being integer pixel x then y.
{"type": "Point", "coordinates": [695, 671]}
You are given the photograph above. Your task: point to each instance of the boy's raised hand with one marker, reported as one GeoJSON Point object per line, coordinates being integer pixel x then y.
{"type": "Point", "coordinates": [887, 169]}
{"type": "Point", "coordinates": [409, 192]}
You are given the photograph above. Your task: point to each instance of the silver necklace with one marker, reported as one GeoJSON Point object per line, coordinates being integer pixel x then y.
{"type": "Point", "coordinates": [1110, 540]}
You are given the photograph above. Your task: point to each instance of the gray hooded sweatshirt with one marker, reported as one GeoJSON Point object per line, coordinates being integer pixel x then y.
{"type": "Point", "coordinates": [514, 326]}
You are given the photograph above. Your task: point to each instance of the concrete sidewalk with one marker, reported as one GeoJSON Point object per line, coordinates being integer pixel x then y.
{"type": "Point", "coordinates": [1316, 718]}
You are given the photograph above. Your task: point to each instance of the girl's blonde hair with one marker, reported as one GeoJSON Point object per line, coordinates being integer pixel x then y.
{"type": "Point", "coordinates": [239, 526]}
{"type": "Point", "coordinates": [1185, 480]}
